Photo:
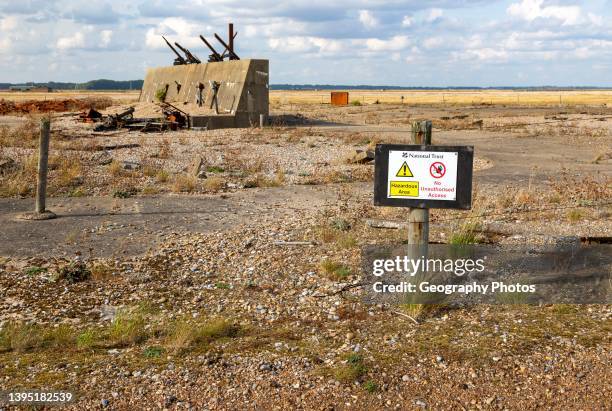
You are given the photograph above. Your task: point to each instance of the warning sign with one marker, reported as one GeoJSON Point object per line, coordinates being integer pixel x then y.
{"type": "Point", "coordinates": [404, 188]}
{"type": "Point", "coordinates": [424, 176]}
{"type": "Point", "coordinates": [437, 170]}
{"type": "Point", "coordinates": [404, 171]}
{"type": "Point", "coordinates": [434, 172]}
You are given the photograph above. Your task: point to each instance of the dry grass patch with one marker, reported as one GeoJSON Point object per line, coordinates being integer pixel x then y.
{"type": "Point", "coordinates": [25, 135]}
{"type": "Point", "coordinates": [468, 232]}
{"type": "Point", "coordinates": [184, 335]}
{"type": "Point", "coordinates": [351, 370]}
{"type": "Point", "coordinates": [184, 183]}
{"type": "Point", "coordinates": [327, 177]}
{"type": "Point", "coordinates": [68, 171]}
{"type": "Point", "coordinates": [150, 190]}
{"type": "Point", "coordinates": [334, 270]}
{"type": "Point", "coordinates": [214, 183]}
{"type": "Point", "coordinates": [101, 271]}
{"type": "Point", "coordinates": [337, 233]}
{"type": "Point", "coordinates": [22, 337]}
{"type": "Point", "coordinates": [162, 176]}
{"type": "Point", "coordinates": [525, 198]}
{"type": "Point", "coordinates": [149, 171]}
{"type": "Point", "coordinates": [243, 165]}
{"type": "Point", "coordinates": [115, 168]}
{"type": "Point", "coordinates": [127, 328]}
{"type": "Point", "coordinates": [22, 180]}
{"type": "Point", "coordinates": [261, 180]}
{"type": "Point", "coordinates": [575, 215]}
{"type": "Point", "coordinates": [164, 150]}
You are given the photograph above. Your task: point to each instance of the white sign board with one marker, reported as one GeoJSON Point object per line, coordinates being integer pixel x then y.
{"type": "Point", "coordinates": [422, 175]}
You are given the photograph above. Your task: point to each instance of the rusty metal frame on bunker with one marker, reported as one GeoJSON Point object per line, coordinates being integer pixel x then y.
{"type": "Point", "coordinates": [465, 162]}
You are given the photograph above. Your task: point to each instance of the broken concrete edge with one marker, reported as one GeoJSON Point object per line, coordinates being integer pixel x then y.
{"type": "Point", "coordinates": [34, 216]}
{"type": "Point", "coordinates": [196, 168]}
{"type": "Point", "coordinates": [362, 157]}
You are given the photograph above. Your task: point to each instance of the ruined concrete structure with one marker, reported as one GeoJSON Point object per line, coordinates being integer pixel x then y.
{"type": "Point", "coordinates": [223, 94]}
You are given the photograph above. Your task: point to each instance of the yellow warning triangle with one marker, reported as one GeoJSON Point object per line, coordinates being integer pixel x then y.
{"type": "Point", "coordinates": [404, 171]}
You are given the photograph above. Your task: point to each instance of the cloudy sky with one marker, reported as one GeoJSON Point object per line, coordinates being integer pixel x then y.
{"type": "Point", "coordinates": [386, 42]}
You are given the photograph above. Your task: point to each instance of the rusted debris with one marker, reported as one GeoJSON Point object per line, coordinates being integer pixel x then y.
{"type": "Point", "coordinates": [115, 121]}
{"type": "Point", "coordinates": [190, 58]}
{"type": "Point", "coordinates": [179, 60]}
{"type": "Point", "coordinates": [90, 116]}
{"type": "Point", "coordinates": [175, 116]}
{"type": "Point", "coordinates": [116, 146]}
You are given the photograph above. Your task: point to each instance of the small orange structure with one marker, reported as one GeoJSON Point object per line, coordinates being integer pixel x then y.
{"type": "Point", "coordinates": [339, 98]}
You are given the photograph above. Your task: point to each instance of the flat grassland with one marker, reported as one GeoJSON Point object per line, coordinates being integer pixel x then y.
{"type": "Point", "coordinates": [411, 97]}
{"type": "Point", "coordinates": [448, 97]}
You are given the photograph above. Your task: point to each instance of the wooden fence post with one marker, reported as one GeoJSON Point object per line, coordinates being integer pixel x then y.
{"type": "Point", "coordinates": [40, 210]}
{"type": "Point", "coordinates": [43, 163]}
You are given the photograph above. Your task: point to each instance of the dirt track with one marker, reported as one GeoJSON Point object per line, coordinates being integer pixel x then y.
{"type": "Point", "coordinates": [130, 226]}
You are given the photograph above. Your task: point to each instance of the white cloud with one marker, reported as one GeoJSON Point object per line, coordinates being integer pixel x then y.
{"type": "Point", "coordinates": [583, 53]}
{"type": "Point", "coordinates": [8, 23]}
{"type": "Point", "coordinates": [532, 9]}
{"type": "Point", "coordinates": [595, 19]}
{"type": "Point", "coordinates": [473, 42]}
{"type": "Point", "coordinates": [393, 44]}
{"type": "Point", "coordinates": [250, 30]}
{"type": "Point", "coordinates": [433, 42]}
{"type": "Point", "coordinates": [567, 38]}
{"type": "Point", "coordinates": [434, 14]}
{"type": "Point", "coordinates": [178, 29]}
{"type": "Point", "coordinates": [367, 19]}
{"type": "Point", "coordinates": [105, 38]}
{"type": "Point", "coordinates": [77, 40]}
{"type": "Point", "coordinates": [487, 54]}
{"type": "Point", "coordinates": [482, 55]}
{"type": "Point", "coordinates": [5, 45]}
{"type": "Point", "coordinates": [302, 44]}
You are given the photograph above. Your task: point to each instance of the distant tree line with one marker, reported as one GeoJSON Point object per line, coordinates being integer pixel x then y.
{"type": "Point", "coordinates": [104, 84]}
{"type": "Point", "coordinates": [370, 87]}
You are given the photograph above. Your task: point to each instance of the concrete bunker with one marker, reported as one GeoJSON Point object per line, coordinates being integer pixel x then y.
{"type": "Point", "coordinates": [217, 94]}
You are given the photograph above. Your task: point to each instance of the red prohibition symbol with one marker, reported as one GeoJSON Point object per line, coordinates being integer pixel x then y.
{"type": "Point", "coordinates": [437, 170]}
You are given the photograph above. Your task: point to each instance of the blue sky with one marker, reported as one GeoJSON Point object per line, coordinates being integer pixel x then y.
{"type": "Point", "coordinates": [406, 43]}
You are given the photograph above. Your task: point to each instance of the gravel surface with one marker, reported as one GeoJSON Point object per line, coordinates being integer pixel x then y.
{"type": "Point", "coordinates": [229, 302]}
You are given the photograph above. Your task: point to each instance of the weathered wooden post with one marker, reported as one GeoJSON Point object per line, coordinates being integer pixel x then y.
{"type": "Point", "coordinates": [43, 163]}
{"type": "Point", "coordinates": [418, 218]}
{"type": "Point", "coordinates": [262, 120]}
{"type": "Point", "coordinates": [40, 210]}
